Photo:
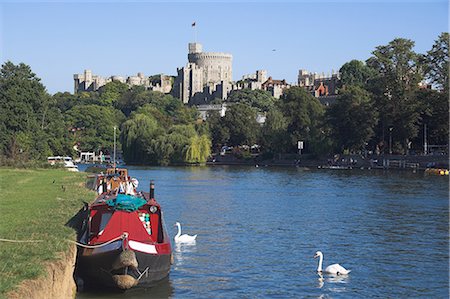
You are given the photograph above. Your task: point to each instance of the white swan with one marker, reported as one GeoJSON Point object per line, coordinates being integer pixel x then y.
{"type": "Point", "coordinates": [179, 238]}
{"type": "Point", "coordinates": [331, 269]}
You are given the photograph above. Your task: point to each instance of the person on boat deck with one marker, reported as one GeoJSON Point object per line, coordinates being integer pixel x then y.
{"type": "Point", "coordinates": [105, 185]}
{"type": "Point", "coordinates": [129, 188]}
{"type": "Point", "coordinates": [100, 187]}
{"type": "Point", "coordinates": [121, 187]}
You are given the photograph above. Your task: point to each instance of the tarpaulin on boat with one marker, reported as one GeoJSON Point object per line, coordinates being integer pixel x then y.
{"type": "Point", "coordinates": [128, 203]}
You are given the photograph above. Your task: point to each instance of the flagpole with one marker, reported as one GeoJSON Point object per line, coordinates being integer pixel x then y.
{"type": "Point", "coordinates": [114, 164]}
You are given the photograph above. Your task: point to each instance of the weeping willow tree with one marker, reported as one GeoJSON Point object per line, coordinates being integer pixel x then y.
{"type": "Point", "coordinates": [198, 150]}
{"type": "Point", "coordinates": [136, 135]}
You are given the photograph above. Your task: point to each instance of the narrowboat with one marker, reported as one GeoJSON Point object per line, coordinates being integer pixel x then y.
{"type": "Point", "coordinates": [122, 241]}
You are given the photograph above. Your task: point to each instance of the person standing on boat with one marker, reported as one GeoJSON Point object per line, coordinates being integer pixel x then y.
{"type": "Point", "coordinates": [100, 187]}
{"type": "Point", "coordinates": [129, 188]}
{"type": "Point", "coordinates": [122, 187]}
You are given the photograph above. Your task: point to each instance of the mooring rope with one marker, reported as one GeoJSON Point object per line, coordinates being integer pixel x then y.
{"type": "Point", "coordinates": [123, 236]}
{"type": "Point", "coordinates": [20, 241]}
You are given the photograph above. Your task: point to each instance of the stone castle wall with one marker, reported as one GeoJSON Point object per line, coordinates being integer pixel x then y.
{"type": "Point", "coordinates": [216, 66]}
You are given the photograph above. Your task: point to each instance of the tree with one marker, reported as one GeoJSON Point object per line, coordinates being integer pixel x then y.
{"type": "Point", "coordinates": [111, 92]}
{"type": "Point", "coordinates": [275, 136]}
{"type": "Point", "coordinates": [138, 97]}
{"type": "Point", "coordinates": [435, 115]}
{"type": "Point", "coordinates": [240, 120]}
{"type": "Point", "coordinates": [437, 62]}
{"type": "Point", "coordinates": [352, 119]}
{"type": "Point", "coordinates": [355, 72]}
{"type": "Point", "coordinates": [219, 132]}
{"type": "Point", "coordinates": [398, 74]}
{"type": "Point", "coordinates": [304, 115]}
{"type": "Point", "coordinates": [28, 115]}
{"type": "Point", "coordinates": [259, 99]}
{"type": "Point", "coordinates": [92, 126]}
{"type": "Point", "coordinates": [198, 150]}
{"type": "Point", "coordinates": [136, 135]}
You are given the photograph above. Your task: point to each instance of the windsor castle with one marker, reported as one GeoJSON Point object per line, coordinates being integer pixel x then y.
{"type": "Point", "coordinates": [208, 76]}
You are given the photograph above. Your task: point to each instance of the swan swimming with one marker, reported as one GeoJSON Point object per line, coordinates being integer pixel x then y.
{"type": "Point", "coordinates": [179, 238]}
{"type": "Point", "coordinates": [331, 269]}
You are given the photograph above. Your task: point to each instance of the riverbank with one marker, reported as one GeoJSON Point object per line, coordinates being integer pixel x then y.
{"type": "Point", "coordinates": [339, 161]}
{"type": "Point", "coordinates": [35, 205]}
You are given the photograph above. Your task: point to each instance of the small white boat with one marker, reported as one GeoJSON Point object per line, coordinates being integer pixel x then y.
{"type": "Point", "coordinates": [66, 161]}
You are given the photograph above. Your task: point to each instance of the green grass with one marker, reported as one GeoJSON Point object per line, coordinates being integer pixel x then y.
{"type": "Point", "coordinates": [35, 206]}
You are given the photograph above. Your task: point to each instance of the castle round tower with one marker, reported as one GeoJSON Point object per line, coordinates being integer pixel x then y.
{"type": "Point", "coordinates": [217, 66]}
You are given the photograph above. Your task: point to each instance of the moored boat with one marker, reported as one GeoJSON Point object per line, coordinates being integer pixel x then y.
{"type": "Point", "coordinates": [67, 162]}
{"type": "Point", "coordinates": [122, 241]}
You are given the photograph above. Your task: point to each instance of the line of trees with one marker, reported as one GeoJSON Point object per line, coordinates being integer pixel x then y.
{"type": "Point", "coordinates": [379, 100]}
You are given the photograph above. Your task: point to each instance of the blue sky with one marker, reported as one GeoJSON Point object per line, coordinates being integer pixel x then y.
{"type": "Point", "coordinates": [61, 38]}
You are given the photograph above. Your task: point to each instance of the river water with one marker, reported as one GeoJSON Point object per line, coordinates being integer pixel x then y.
{"type": "Point", "coordinates": [258, 230]}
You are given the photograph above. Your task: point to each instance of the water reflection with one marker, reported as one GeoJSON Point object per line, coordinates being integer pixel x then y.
{"type": "Point", "coordinates": [162, 289]}
{"type": "Point", "coordinates": [182, 252]}
{"type": "Point", "coordinates": [331, 279]}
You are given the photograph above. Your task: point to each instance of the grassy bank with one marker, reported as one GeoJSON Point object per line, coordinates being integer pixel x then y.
{"type": "Point", "coordinates": [35, 205]}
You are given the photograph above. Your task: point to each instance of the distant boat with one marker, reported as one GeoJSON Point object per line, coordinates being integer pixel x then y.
{"type": "Point", "coordinates": [122, 240]}
{"type": "Point", "coordinates": [336, 167]}
{"type": "Point", "coordinates": [67, 162]}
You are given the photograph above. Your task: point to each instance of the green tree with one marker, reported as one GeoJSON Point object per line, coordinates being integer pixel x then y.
{"type": "Point", "coordinates": [138, 97]}
{"type": "Point", "coordinates": [198, 150]}
{"type": "Point", "coordinates": [240, 119]}
{"type": "Point", "coordinates": [435, 115]}
{"type": "Point", "coordinates": [136, 135]}
{"type": "Point", "coordinates": [304, 115]}
{"type": "Point", "coordinates": [352, 119]}
{"type": "Point", "coordinates": [171, 146]}
{"type": "Point", "coordinates": [92, 126]}
{"type": "Point", "coordinates": [28, 115]}
{"type": "Point", "coordinates": [275, 136]}
{"type": "Point", "coordinates": [111, 92]}
{"type": "Point", "coordinates": [398, 73]}
{"type": "Point", "coordinates": [185, 115]}
{"type": "Point", "coordinates": [437, 65]}
{"type": "Point", "coordinates": [259, 99]}
{"type": "Point", "coordinates": [220, 134]}
{"type": "Point", "coordinates": [355, 72]}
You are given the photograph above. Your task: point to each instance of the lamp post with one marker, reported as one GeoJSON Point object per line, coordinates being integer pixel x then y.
{"type": "Point", "coordinates": [425, 144]}
{"type": "Point", "coordinates": [390, 140]}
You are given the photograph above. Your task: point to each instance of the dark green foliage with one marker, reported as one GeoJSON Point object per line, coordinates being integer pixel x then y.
{"type": "Point", "coordinates": [138, 96]}
{"type": "Point", "coordinates": [92, 126]}
{"type": "Point", "coordinates": [437, 62]}
{"type": "Point", "coordinates": [240, 120]}
{"type": "Point", "coordinates": [398, 73]}
{"type": "Point", "coordinates": [31, 125]}
{"type": "Point", "coordinates": [259, 99]}
{"type": "Point", "coordinates": [352, 119]}
{"type": "Point", "coordinates": [356, 73]}
{"type": "Point", "coordinates": [111, 92]}
{"type": "Point", "coordinates": [304, 116]}
{"type": "Point", "coordinates": [220, 134]}
{"type": "Point", "coordinates": [435, 115]}
{"type": "Point", "coordinates": [275, 136]}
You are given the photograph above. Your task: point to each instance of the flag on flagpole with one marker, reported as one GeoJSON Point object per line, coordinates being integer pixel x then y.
{"type": "Point", "coordinates": [193, 24]}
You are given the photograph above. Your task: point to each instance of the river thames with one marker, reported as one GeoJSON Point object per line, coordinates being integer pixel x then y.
{"type": "Point", "coordinates": [258, 230]}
